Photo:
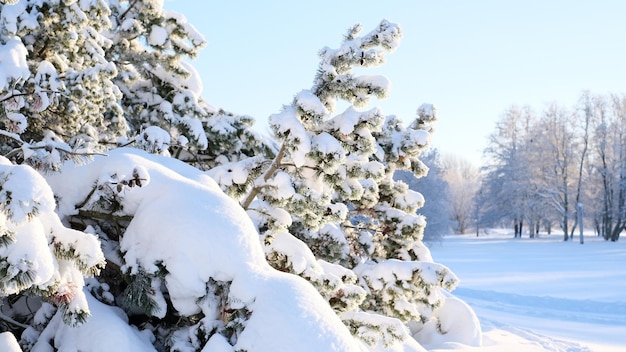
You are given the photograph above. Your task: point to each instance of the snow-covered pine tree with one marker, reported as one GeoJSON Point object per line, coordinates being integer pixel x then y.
{"type": "Point", "coordinates": [69, 91]}
{"type": "Point", "coordinates": [159, 89]}
{"type": "Point", "coordinates": [327, 205]}
{"type": "Point", "coordinates": [195, 282]}
{"type": "Point", "coordinates": [94, 74]}
{"type": "Point", "coordinates": [162, 92]}
{"type": "Point", "coordinates": [38, 255]}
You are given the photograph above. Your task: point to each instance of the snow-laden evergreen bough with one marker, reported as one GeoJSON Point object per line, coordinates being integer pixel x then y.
{"type": "Point", "coordinates": [39, 255]}
{"type": "Point", "coordinates": [205, 265]}
{"type": "Point", "coordinates": [185, 268]}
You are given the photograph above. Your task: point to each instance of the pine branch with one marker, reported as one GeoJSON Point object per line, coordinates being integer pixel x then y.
{"type": "Point", "coordinates": [16, 151]}
{"type": "Point", "coordinates": [84, 202]}
{"type": "Point", "coordinates": [130, 6]}
{"type": "Point", "coordinates": [268, 174]}
{"type": "Point", "coordinates": [11, 321]}
{"type": "Point", "coordinates": [91, 214]}
{"type": "Point", "coordinates": [13, 136]}
{"type": "Point", "coordinates": [2, 100]}
{"type": "Point", "coordinates": [376, 229]}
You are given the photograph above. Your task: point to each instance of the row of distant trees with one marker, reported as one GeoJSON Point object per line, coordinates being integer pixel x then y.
{"type": "Point", "coordinates": [541, 167]}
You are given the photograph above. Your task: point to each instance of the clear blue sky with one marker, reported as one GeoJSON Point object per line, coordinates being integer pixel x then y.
{"type": "Point", "coordinates": [472, 59]}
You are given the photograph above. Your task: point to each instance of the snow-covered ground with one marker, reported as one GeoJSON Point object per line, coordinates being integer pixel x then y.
{"type": "Point", "coordinates": [541, 294]}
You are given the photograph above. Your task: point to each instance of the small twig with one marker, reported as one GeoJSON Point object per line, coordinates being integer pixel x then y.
{"type": "Point", "coordinates": [10, 320]}
{"type": "Point", "coordinates": [128, 143]}
{"type": "Point", "coordinates": [362, 228]}
{"type": "Point", "coordinates": [130, 6]}
{"type": "Point", "coordinates": [12, 153]}
{"type": "Point", "coordinates": [69, 152]}
{"type": "Point", "coordinates": [13, 136]}
{"type": "Point", "coordinates": [82, 204]}
{"type": "Point", "coordinates": [303, 166]}
{"type": "Point", "coordinates": [177, 152]}
{"type": "Point", "coordinates": [2, 100]}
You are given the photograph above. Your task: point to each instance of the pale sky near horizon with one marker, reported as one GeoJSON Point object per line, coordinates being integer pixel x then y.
{"type": "Point", "coordinates": [472, 59]}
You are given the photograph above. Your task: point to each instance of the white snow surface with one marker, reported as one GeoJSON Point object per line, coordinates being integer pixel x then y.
{"type": "Point", "coordinates": [310, 103]}
{"type": "Point", "coordinates": [8, 343]}
{"type": "Point", "coordinates": [158, 35]}
{"type": "Point", "coordinates": [378, 81]}
{"type": "Point", "coordinates": [194, 81]}
{"type": "Point", "coordinates": [106, 330]}
{"type": "Point", "coordinates": [540, 294]}
{"type": "Point", "coordinates": [288, 122]}
{"type": "Point", "coordinates": [183, 220]}
{"type": "Point", "coordinates": [453, 317]}
{"type": "Point", "coordinates": [13, 65]}
{"type": "Point", "coordinates": [154, 138]}
{"type": "Point", "coordinates": [346, 121]}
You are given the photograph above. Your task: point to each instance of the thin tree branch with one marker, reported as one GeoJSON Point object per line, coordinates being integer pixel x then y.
{"type": "Point", "coordinates": [10, 320]}
{"type": "Point", "coordinates": [91, 214]}
{"type": "Point", "coordinates": [268, 174]}
{"type": "Point", "coordinates": [2, 100]}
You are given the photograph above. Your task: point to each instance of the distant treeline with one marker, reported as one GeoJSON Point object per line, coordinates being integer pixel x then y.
{"type": "Point", "coordinates": [541, 167]}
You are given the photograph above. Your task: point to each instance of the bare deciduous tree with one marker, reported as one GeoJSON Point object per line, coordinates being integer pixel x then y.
{"type": "Point", "coordinates": [463, 180]}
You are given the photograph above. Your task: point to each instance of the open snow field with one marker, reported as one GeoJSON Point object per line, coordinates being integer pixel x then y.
{"type": "Point", "coordinates": [541, 294]}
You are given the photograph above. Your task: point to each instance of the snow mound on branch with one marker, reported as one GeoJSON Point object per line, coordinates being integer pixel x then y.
{"type": "Point", "coordinates": [185, 223]}
{"type": "Point", "coordinates": [13, 66]}
{"type": "Point", "coordinates": [310, 103]}
{"type": "Point", "coordinates": [287, 123]}
{"type": "Point", "coordinates": [37, 251]}
{"type": "Point", "coordinates": [106, 330]}
{"type": "Point", "coordinates": [193, 82]}
{"type": "Point", "coordinates": [454, 323]}
{"type": "Point", "coordinates": [8, 343]}
{"type": "Point", "coordinates": [158, 36]}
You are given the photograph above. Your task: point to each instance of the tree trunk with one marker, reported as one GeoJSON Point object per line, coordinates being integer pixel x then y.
{"type": "Point", "coordinates": [549, 228]}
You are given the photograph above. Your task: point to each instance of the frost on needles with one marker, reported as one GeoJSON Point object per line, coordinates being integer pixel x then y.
{"type": "Point", "coordinates": [131, 206]}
